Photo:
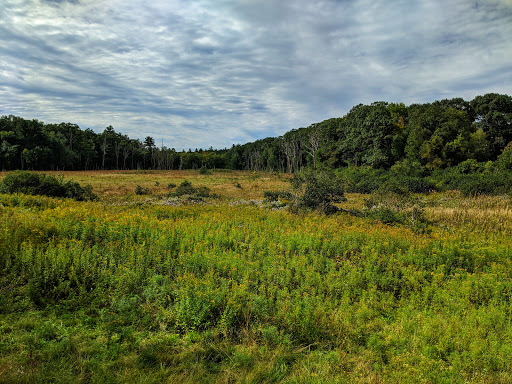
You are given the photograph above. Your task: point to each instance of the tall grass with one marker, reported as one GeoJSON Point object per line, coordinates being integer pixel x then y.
{"type": "Point", "coordinates": [97, 292]}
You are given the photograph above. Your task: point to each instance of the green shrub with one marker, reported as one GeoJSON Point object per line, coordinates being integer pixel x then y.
{"type": "Point", "coordinates": [473, 184]}
{"type": "Point", "coordinates": [202, 192]}
{"type": "Point", "coordinates": [30, 183]}
{"type": "Point", "coordinates": [318, 190]}
{"type": "Point", "coordinates": [276, 195]}
{"type": "Point", "coordinates": [417, 184]}
{"type": "Point", "coordinates": [186, 188]}
{"type": "Point", "coordinates": [469, 166]}
{"type": "Point", "coordinates": [362, 179]}
{"type": "Point", "coordinates": [142, 191]}
{"type": "Point", "coordinates": [366, 179]}
{"type": "Point", "coordinates": [393, 203]}
{"type": "Point", "coordinates": [485, 184]}
{"type": "Point", "coordinates": [408, 168]}
{"type": "Point", "coordinates": [204, 171]}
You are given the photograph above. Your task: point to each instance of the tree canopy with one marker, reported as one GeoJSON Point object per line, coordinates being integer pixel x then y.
{"type": "Point", "coordinates": [381, 135]}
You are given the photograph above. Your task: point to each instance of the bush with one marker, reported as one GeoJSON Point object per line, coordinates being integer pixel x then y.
{"type": "Point", "coordinates": [276, 195]}
{"type": "Point", "coordinates": [204, 171]}
{"type": "Point", "coordinates": [318, 190]}
{"type": "Point", "coordinates": [409, 168]}
{"type": "Point", "coordinates": [202, 192]}
{"type": "Point", "coordinates": [362, 179]}
{"type": "Point", "coordinates": [469, 166]}
{"type": "Point", "coordinates": [385, 215]}
{"type": "Point", "coordinates": [473, 184]}
{"type": "Point", "coordinates": [486, 184]}
{"type": "Point", "coordinates": [391, 196]}
{"type": "Point", "coordinates": [393, 203]}
{"type": "Point", "coordinates": [30, 183]}
{"type": "Point", "coordinates": [186, 188]}
{"type": "Point", "coordinates": [417, 184]}
{"type": "Point", "coordinates": [142, 191]}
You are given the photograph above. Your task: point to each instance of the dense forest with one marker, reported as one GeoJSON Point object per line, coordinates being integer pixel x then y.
{"type": "Point", "coordinates": [382, 135]}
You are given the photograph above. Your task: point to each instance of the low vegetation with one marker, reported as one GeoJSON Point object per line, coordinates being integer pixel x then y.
{"type": "Point", "coordinates": [230, 291]}
{"type": "Point", "coordinates": [39, 184]}
{"type": "Point", "coordinates": [186, 188]}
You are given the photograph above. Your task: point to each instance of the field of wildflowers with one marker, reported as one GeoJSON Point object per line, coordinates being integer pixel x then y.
{"type": "Point", "coordinates": [145, 289]}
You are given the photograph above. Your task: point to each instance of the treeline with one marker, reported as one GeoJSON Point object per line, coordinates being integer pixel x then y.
{"type": "Point", "coordinates": [427, 136]}
{"type": "Point", "coordinates": [33, 145]}
{"type": "Point", "coordinates": [382, 135]}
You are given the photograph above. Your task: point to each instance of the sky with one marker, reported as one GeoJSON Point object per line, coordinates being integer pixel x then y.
{"type": "Point", "coordinates": [201, 73]}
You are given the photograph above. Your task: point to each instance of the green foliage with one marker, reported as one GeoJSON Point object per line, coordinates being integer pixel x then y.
{"type": "Point", "coordinates": [276, 195]}
{"type": "Point", "coordinates": [186, 188]}
{"type": "Point", "coordinates": [39, 184]}
{"type": "Point", "coordinates": [204, 171]}
{"type": "Point", "coordinates": [469, 166]}
{"type": "Point", "coordinates": [142, 190]}
{"type": "Point", "coordinates": [478, 182]}
{"type": "Point", "coordinates": [408, 168]}
{"type": "Point", "coordinates": [109, 293]}
{"type": "Point", "coordinates": [393, 203]}
{"type": "Point", "coordinates": [438, 135]}
{"type": "Point", "coordinates": [318, 190]}
{"type": "Point", "coordinates": [504, 160]}
{"type": "Point", "coordinates": [361, 179]}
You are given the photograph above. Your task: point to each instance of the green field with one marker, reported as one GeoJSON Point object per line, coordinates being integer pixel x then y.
{"type": "Point", "coordinates": [232, 289]}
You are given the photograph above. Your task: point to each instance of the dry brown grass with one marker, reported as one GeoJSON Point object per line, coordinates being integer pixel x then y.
{"type": "Point", "coordinates": [108, 184]}
{"type": "Point", "coordinates": [489, 215]}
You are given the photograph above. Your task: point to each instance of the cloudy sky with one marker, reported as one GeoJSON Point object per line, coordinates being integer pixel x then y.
{"type": "Point", "coordinates": [200, 73]}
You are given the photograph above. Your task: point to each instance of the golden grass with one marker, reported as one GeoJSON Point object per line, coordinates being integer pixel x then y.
{"type": "Point", "coordinates": [488, 215]}
{"type": "Point", "coordinates": [221, 182]}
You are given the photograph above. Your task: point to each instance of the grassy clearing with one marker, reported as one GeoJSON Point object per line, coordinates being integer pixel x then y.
{"type": "Point", "coordinates": [478, 216]}
{"type": "Point", "coordinates": [110, 292]}
{"type": "Point", "coordinates": [226, 183]}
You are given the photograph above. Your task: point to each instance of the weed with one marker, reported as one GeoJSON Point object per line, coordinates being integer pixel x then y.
{"type": "Point", "coordinates": [118, 292]}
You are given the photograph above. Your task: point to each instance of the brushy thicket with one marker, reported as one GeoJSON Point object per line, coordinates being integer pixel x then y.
{"type": "Point", "coordinates": [318, 190]}
{"type": "Point", "coordinates": [204, 170]}
{"type": "Point", "coordinates": [142, 190]}
{"type": "Point", "coordinates": [310, 190]}
{"type": "Point", "coordinates": [187, 189]}
{"type": "Point", "coordinates": [366, 180]}
{"type": "Point", "coordinates": [476, 183]}
{"type": "Point", "coordinates": [39, 184]}
{"type": "Point", "coordinates": [389, 203]}
{"type": "Point", "coordinates": [470, 178]}
{"type": "Point", "coordinates": [99, 293]}
{"type": "Point", "coordinates": [394, 204]}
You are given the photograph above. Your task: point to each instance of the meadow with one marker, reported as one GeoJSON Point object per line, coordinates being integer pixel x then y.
{"type": "Point", "coordinates": [232, 289]}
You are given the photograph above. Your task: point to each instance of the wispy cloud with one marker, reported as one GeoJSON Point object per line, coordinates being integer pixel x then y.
{"type": "Point", "coordinates": [217, 72]}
